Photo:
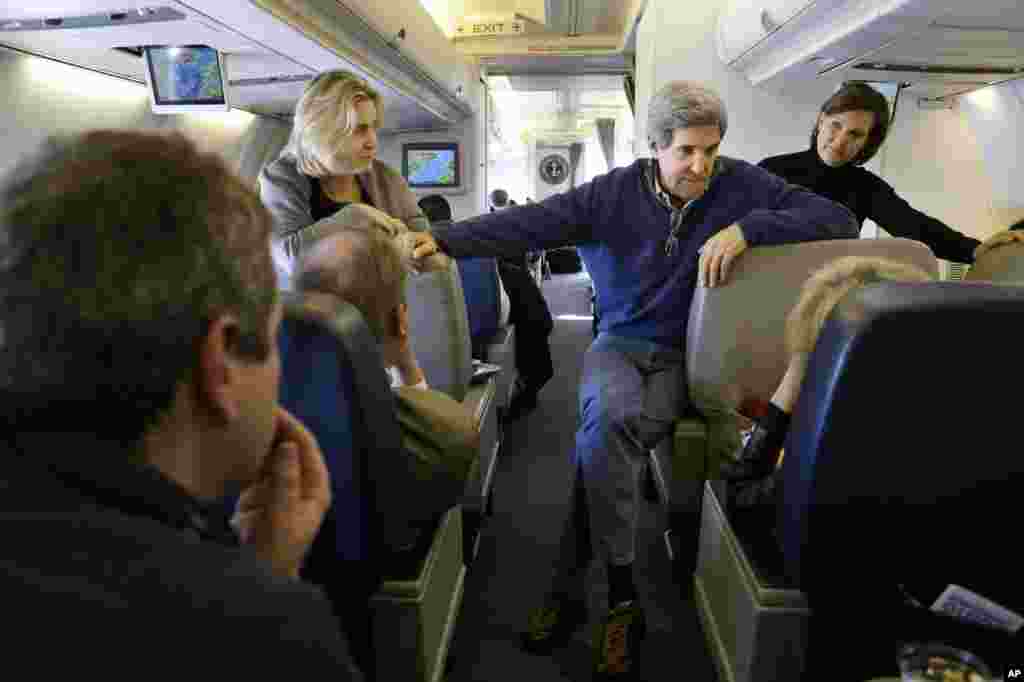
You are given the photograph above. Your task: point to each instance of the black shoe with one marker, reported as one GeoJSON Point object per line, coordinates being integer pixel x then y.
{"type": "Point", "coordinates": [522, 403]}
{"type": "Point", "coordinates": [615, 648]}
{"type": "Point", "coordinates": [551, 625]}
{"type": "Point", "coordinates": [761, 452]}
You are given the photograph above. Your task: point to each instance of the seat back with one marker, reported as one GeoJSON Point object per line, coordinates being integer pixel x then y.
{"type": "Point", "coordinates": [735, 350]}
{"type": "Point", "coordinates": [482, 293]}
{"type": "Point", "coordinates": [903, 447]}
{"type": "Point", "coordinates": [1003, 264]}
{"type": "Point", "coordinates": [333, 380]}
{"type": "Point", "coordinates": [439, 329]}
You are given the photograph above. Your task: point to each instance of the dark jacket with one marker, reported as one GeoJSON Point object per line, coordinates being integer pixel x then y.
{"type": "Point", "coordinates": [621, 229]}
{"type": "Point", "coordinates": [106, 565]}
{"type": "Point", "coordinates": [869, 196]}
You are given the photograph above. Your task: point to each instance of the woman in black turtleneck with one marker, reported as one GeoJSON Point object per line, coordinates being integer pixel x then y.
{"type": "Point", "coordinates": [850, 128]}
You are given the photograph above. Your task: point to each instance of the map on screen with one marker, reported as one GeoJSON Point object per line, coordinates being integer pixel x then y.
{"type": "Point", "coordinates": [186, 74]}
{"type": "Point", "coordinates": [431, 166]}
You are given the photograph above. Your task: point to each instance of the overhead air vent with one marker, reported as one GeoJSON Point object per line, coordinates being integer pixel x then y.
{"type": "Point", "coordinates": [940, 69]}
{"type": "Point", "coordinates": [271, 80]}
{"type": "Point", "coordinates": [146, 15]}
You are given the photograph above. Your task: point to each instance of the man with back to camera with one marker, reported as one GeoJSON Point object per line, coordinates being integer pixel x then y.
{"type": "Point", "coordinates": [138, 388]}
{"type": "Point", "coordinates": [649, 233]}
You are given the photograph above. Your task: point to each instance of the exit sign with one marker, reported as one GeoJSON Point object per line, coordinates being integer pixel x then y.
{"type": "Point", "coordinates": [479, 28]}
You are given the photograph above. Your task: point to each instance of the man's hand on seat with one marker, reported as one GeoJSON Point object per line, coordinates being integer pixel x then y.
{"type": "Point", "coordinates": [998, 239]}
{"type": "Point", "coordinates": [422, 245]}
{"type": "Point", "coordinates": [717, 255]}
{"type": "Point", "coordinates": [425, 257]}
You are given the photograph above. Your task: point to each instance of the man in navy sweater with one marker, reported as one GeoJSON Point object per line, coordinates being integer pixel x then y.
{"type": "Point", "coordinates": [649, 234]}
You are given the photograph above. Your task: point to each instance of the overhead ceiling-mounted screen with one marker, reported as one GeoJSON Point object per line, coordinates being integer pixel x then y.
{"type": "Point", "coordinates": [186, 78]}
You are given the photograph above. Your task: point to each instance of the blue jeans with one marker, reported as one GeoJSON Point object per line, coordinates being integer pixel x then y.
{"type": "Point", "coordinates": [631, 394]}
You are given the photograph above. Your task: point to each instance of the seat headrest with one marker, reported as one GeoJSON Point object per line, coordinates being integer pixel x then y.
{"type": "Point", "coordinates": [903, 441]}
{"type": "Point", "coordinates": [735, 350]}
{"type": "Point", "coordinates": [333, 380]}
{"type": "Point", "coordinates": [439, 329]}
{"type": "Point", "coordinates": [1001, 264]}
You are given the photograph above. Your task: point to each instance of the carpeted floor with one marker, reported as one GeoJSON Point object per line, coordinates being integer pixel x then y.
{"type": "Point", "coordinates": [517, 547]}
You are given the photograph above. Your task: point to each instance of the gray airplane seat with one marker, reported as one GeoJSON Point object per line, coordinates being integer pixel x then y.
{"type": "Point", "coordinates": [439, 329]}
{"type": "Point", "coordinates": [440, 337]}
{"type": "Point", "coordinates": [753, 617]}
{"type": "Point", "coordinates": [1003, 265]}
{"type": "Point", "coordinates": [393, 574]}
{"type": "Point", "coordinates": [901, 461]}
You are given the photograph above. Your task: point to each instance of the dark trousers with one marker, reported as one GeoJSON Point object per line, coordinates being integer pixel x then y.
{"type": "Point", "coordinates": [533, 323]}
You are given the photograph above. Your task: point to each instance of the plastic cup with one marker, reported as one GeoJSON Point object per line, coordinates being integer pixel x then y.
{"type": "Point", "coordinates": [933, 662]}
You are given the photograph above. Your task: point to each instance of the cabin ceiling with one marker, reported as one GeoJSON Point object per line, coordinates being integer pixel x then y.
{"type": "Point", "coordinates": [963, 46]}
{"type": "Point", "coordinates": [565, 17]}
{"type": "Point", "coordinates": [263, 79]}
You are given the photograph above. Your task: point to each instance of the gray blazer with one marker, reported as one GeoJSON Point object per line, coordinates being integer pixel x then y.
{"type": "Point", "coordinates": [286, 193]}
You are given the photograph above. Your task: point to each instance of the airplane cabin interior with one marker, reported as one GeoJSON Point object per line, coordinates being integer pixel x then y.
{"type": "Point", "coordinates": [896, 459]}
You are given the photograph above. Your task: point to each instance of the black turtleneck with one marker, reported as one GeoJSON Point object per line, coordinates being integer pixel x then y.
{"type": "Point", "coordinates": [869, 196]}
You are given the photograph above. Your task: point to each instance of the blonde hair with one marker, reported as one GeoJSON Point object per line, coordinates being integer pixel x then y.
{"type": "Point", "coordinates": [360, 263]}
{"type": "Point", "coordinates": [324, 116]}
{"type": "Point", "coordinates": [826, 287]}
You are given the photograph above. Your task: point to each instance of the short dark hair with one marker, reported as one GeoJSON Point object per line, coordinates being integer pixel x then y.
{"type": "Point", "coordinates": [499, 198]}
{"type": "Point", "coordinates": [119, 250]}
{"type": "Point", "coordinates": [1019, 225]}
{"type": "Point", "coordinates": [436, 208]}
{"type": "Point", "coordinates": [856, 96]}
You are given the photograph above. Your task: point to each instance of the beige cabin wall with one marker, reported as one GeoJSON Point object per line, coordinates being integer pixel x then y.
{"type": "Point", "coordinates": [676, 41]}
{"type": "Point", "coordinates": [935, 162]}
{"type": "Point", "coordinates": [469, 201]}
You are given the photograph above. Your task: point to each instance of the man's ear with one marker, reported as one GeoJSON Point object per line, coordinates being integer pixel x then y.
{"type": "Point", "coordinates": [216, 374]}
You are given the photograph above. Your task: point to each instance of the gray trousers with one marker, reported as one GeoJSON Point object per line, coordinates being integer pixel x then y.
{"type": "Point", "coordinates": [631, 394]}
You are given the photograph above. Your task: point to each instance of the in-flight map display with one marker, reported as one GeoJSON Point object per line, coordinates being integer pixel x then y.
{"type": "Point", "coordinates": [432, 166]}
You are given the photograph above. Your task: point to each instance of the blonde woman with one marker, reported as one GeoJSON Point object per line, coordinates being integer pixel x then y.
{"type": "Point", "coordinates": [819, 296]}
{"type": "Point", "coordinates": [330, 161]}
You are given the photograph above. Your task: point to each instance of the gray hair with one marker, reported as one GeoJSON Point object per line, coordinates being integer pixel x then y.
{"type": "Point", "coordinates": [683, 104]}
{"type": "Point", "coordinates": [360, 264]}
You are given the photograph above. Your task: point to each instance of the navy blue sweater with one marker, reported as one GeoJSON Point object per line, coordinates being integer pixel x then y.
{"type": "Point", "coordinates": [621, 228]}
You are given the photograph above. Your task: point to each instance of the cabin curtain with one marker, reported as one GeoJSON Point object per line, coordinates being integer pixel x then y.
{"type": "Point", "coordinates": [606, 136]}
{"type": "Point", "coordinates": [575, 153]}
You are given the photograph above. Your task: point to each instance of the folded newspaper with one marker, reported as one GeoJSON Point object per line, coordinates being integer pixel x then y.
{"type": "Point", "coordinates": [962, 604]}
{"type": "Point", "coordinates": [484, 369]}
